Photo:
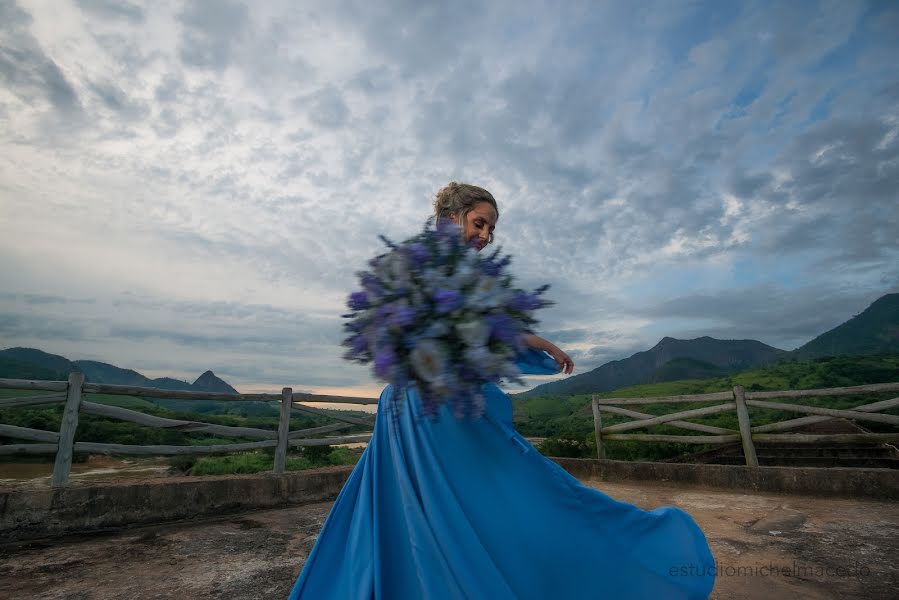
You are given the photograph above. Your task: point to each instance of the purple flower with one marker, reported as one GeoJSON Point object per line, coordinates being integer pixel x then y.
{"type": "Point", "coordinates": [493, 267]}
{"type": "Point", "coordinates": [447, 301]}
{"type": "Point", "coordinates": [448, 230]}
{"type": "Point", "coordinates": [355, 326]}
{"type": "Point", "coordinates": [468, 372]}
{"type": "Point", "coordinates": [408, 322]}
{"type": "Point", "coordinates": [403, 316]}
{"type": "Point", "coordinates": [358, 344]}
{"type": "Point", "coordinates": [372, 284]}
{"type": "Point", "coordinates": [358, 301]}
{"type": "Point", "coordinates": [503, 328]}
{"type": "Point", "coordinates": [524, 301]}
{"type": "Point", "coordinates": [385, 360]}
{"type": "Point", "coordinates": [384, 312]}
{"type": "Point", "coordinates": [418, 252]}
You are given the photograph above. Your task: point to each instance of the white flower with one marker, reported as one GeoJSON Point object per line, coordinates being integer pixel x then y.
{"type": "Point", "coordinates": [428, 360]}
{"type": "Point", "coordinates": [498, 363]}
{"type": "Point", "coordinates": [444, 384]}
{"type": "Point", "coordinates": [488, 293]}
{"type": "Point", "coordinates": [396, 270]}
{"type": "Point", "coordinates": [432, 279]}
{"type": "Point", "coordinates": [416, 297]}
{"type": "Point", "coordinates": [481, 357]}
{"type": "Point", "coordinates": [464, 275]}
{"type": "Point", "coordinates": [392, 268]}
{"type": "Point", "coordinates": [437, 329]}
{"type": "Point", "coordinates": [474, 332]}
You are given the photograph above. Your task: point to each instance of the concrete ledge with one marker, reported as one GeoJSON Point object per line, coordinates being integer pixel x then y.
{"type": "Point", "coordinates": [35, 512]}
{"type": "Point", "coordinates": [854, 483]}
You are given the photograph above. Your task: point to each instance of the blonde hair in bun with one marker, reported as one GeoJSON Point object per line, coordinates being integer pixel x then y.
{"type": "Point", "coordinates": [459, 198]}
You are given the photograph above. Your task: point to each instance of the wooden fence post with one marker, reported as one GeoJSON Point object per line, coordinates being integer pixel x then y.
{"type": "Point", "coordinates": [745, 427]}
{"type": "Point", "coordinates": [65, 448]}
{"type": "Point", "coordinates": [283, 430]}
{"type": "Point", "coordinates": [597, 426]}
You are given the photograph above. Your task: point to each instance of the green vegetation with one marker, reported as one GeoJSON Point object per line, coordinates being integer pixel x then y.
{"type": "Point", "coordinates": [11, 368]}
{"type": "Point", "coordinates": [99, 429]}
{"type": "Point", "coordinates": [567, 422]}
{"type": "Point", "coordinates": [112, 431]}
{"type": "Point", "coordinates": [874, 331]}
{"type": "Point", "coordinates": [311, 457]}
{"type": "Point", "coordinates": [688, 368]}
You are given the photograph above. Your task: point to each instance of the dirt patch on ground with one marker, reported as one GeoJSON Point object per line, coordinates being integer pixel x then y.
{"type": "Point", "coordinates": [821, 548]}
{"type": "Point", "coordinates": [784, 546]}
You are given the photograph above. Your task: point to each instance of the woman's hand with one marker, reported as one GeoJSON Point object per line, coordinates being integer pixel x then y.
{"type": "Point", "coordinates": [566, 365]}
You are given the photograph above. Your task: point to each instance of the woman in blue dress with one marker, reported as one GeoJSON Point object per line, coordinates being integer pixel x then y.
{"type": "Point", "coordinates": [447, 508]}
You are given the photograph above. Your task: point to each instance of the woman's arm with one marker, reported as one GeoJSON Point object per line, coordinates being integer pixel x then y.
{"type": "Point", "coordinates": [566, 365]}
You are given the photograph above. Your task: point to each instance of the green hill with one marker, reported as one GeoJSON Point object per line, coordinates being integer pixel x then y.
{"type": "Point", "coordinates": [37, 358]}
{"type": "Point", "coordinates": [11, 368]}
{"type": "Point", "coordinates": [100, 372]}
{"type": "Point", "coordinates": [688, 368]}
{"type": "Point", "coordinates": [725, 356]}
{"type": "Point", "coordinates": [571, 417]}
{"type": "Point", "coordinates": [874, 331]}
{"type": "Point", "coordinates": [30, 363]}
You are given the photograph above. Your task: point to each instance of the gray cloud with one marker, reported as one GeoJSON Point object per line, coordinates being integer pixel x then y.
{"type": "Point", "coordinates": [778, 316]}
{"type": "Point", "coordinates": [25, 69]}
{"type": "Point", "coordinates": [35, 327]}
{"type": "Point", "coordinates": [211, 28]}
{"type": "Point", "coordinates": [114, 98]}
{"type": "Point", "coordinates": [112, 9]}
{"type": "Point", "coordinates": [250, 159]}
{"type": "Point", "coordinates": [326, 108]}
{"type": "Point", "coordinates": [843, 176]}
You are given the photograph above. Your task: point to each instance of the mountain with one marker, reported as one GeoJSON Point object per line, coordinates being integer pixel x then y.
{"type": "Point", "coordinates": [208, 382]}
{"type": "Point", "coordinates": [679, 369]}
{"type": "Point", "coordinates": [874, 331]}
{"type": "Point", "coordinates": [29, 363]}
{"type": "Point", "coordinates": [54, 363]}
{"type": "Point", "coordinates": [100, 372]}
{"type": "Point", "coordinates": [167, 383]}
{"type": "Point", "coordinates": [669, 358]}
{"type": "Point", "coordinates": [11, 368]}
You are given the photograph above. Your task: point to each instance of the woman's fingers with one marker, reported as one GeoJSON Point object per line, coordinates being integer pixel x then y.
{"type": "Point", "coordinates": [566, 365]}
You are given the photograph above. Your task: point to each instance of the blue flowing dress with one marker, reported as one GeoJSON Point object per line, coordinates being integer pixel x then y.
{"type": "Point", "coordinates": [469, 509]}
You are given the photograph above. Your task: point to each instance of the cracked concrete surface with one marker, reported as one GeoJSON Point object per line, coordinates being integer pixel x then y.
{"type": "Point", "coordinates": [820, 548]}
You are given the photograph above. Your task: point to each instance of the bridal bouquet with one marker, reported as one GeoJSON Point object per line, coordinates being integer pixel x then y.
{"type": "Point", "coordinates": [435, 314]}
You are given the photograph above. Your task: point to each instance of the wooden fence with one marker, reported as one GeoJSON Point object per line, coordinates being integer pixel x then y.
{"type": "Point", "coordinates": [70, 392]}
{"type": "Point", "coordinates": [740, 401]}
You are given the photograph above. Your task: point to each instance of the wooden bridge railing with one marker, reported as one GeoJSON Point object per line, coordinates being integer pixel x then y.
{"type": "Point", "coordinates": [740, 401]}
{"type": "Point", "coordinates": [70, 392]}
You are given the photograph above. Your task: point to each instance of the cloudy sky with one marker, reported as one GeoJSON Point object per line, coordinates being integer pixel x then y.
{"type": "Point", "coordinates": [192, 185]}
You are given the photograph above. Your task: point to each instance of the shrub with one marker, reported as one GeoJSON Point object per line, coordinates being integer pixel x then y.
{"type": "Point", "coordinates": [342, 456]}
{"type": "Point", "coordinates": [317, 454]}
{"type": "Point", "coordinates": [564, 448]}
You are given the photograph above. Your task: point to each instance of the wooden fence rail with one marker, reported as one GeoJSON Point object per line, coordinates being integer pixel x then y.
{"type": "Point", "coordinates": [70, 393]}
{"type": "Point", "coordinates": [740, 400]}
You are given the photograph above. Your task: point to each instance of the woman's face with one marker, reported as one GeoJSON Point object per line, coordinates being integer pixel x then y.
{"type": "Point", "coordinates": [478, 224]}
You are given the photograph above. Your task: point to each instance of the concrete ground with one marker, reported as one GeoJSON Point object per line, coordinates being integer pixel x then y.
{"type": "Point", "coordinates": [821, 548]}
